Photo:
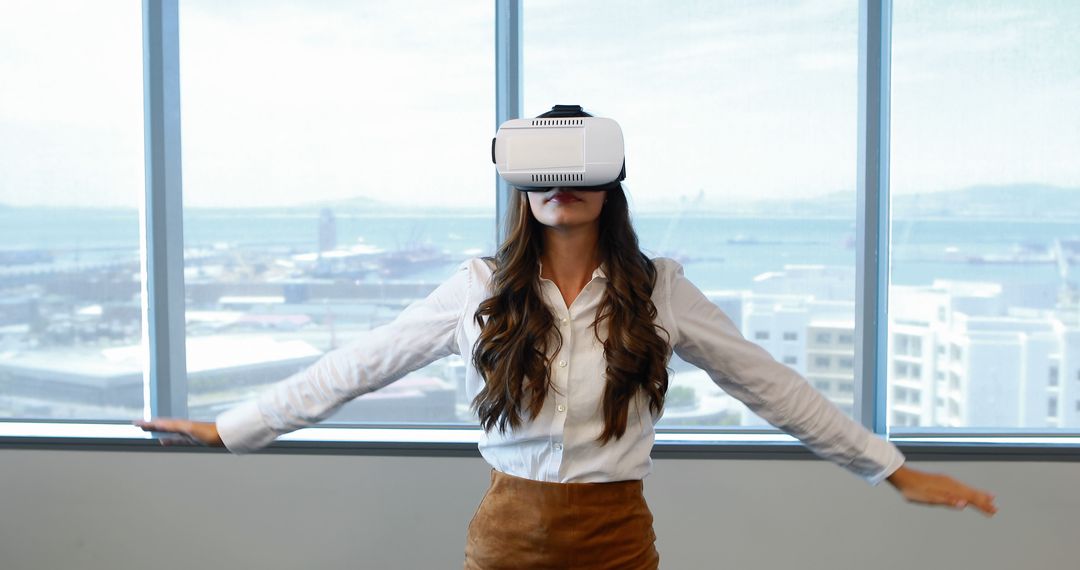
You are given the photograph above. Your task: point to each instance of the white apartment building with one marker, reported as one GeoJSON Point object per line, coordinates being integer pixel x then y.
{"type": "Point", "coordinates": [994, 362]}
{"type": "Point", "coordinates": [960, 354]}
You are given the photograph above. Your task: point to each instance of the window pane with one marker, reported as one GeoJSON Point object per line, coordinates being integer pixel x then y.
{"type": "Point", "coordinates": [740, 125]}
{"type": "Point", "coordinates": [71, 184]}
{"type": "Point", "coordinates": [985, 202]}
{"type": "Point", "coordinates": [335, 169]}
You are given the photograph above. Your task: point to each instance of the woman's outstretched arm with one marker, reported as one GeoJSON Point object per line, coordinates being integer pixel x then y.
{"type": "Point", "coordinates": [422, 333]}
{"type": "Point", "coordinates": [706, 337]}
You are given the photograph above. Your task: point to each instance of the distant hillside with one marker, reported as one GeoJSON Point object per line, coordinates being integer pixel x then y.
{"type": "Point", "coordinates": [1005, 201]}
{"type": "Point", "coordinates": [362, 205]}
{"type": "Point", "coordinates": [1029, 201]}
{"type": "Point", "coordinates": [358, 206]}
{"type": "Point", "coordinates": [1032, 201]}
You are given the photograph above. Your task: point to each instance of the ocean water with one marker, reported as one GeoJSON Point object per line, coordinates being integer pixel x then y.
{"type": "Point", "coordinates": [718, 252]}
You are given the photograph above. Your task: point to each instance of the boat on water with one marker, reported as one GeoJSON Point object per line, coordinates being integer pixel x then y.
{"type": "Point", "coordinates": [412, 259]}
{"type": "Point", "coordinates": [1025, 253]}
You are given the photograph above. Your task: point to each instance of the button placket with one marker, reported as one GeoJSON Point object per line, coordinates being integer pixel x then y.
{"type": "Point", "coordinates": [569, 338]}
{"type": "Point", "coordinates": [561, 374]}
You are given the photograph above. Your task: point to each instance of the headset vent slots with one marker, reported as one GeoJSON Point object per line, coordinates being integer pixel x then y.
{"type": "Point", "coordinates": [558, 177]}
{"type": "Point", "coordinates": [556, 122]}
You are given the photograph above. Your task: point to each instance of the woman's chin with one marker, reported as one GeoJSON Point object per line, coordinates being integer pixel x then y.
{"type": "Point", "coordinates": [566, 222]}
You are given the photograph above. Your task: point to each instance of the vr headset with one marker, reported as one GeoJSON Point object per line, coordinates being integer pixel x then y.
{"type": "Point", "coordinates": [564, 147]}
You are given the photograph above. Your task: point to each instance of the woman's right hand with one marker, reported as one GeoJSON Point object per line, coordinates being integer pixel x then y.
{"type": "Point", "coordinates": [189, 432]}
{"type": "Point", "coordinates": [936, 489]}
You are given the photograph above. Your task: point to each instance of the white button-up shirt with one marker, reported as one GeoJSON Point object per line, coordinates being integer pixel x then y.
{"type": "Point", "coordinates": [559, 444]}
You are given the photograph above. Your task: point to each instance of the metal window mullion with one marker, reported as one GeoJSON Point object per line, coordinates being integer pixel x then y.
{"type": "Point", "coordinates": [872, 212]}
{"type": "Point", "coordinates": [508, 100]}
{"type": "Point", "coordinates": [164, 210]}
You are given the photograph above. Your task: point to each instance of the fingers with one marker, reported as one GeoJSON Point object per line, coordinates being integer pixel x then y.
{"type": "Point", "coordinates": [958, 497]}
{"type": "Point", "coordinates": [180, 427]}
{"type": "Point", "coordinates": [161, 424]}
{"type": "Point", "coordinates": [981, 500]}
{"type": "Point", "coordinates": [183, 432]}
{"type": "Point", "coordinates": [961, 504]}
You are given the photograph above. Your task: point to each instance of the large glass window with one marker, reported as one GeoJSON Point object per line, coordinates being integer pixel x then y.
{"type": "Point", "coordinates": [740, 124]}
{"type": "Point", "coordinates": [71, 185]}
{"type": "Point", "coordinates": [985, 209]}
{"type": "Point", "coordinates": [335, 169]}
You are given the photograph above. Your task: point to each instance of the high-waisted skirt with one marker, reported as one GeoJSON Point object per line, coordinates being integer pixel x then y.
{"type": "Point", "coordinates": [535, 525]}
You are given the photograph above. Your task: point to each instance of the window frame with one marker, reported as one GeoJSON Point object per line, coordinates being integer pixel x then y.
{"type": "Point", "coordinates": [164, 290]}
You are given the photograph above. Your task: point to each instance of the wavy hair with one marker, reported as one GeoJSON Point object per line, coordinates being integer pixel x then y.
{"type": "Point", "coordinates": [517, 327]}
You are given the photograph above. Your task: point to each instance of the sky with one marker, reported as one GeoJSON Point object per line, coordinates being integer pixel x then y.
{"type": "Point", "coordinates": [287, 103]}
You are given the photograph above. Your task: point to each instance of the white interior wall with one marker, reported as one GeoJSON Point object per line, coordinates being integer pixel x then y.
{"type": "Point", "coordinates": [182, 510]}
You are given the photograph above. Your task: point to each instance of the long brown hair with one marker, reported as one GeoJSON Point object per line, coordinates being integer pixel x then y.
{"type": "Point", "coordinates": [516, 325]}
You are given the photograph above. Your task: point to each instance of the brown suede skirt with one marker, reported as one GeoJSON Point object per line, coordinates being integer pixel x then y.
{"type": "Point", "coordinates": [534, 525]}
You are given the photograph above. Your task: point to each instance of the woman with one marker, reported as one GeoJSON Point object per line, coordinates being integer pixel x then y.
{"type": "Point", "coordinates": [569, 328]}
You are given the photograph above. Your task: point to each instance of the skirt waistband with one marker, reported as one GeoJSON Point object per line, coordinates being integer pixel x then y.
{"type": "Point", "coordinates": [576, 493]}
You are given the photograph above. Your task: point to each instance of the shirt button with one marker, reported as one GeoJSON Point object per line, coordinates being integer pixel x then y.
{"type": "Point", "coordinates": [563, 320]}
{"type": "Point", "coordinates": [561, 408]}
{"type": "Point", "coordinates": [558, 447]}
{"type": "Point", "coordinates": [562, 363]}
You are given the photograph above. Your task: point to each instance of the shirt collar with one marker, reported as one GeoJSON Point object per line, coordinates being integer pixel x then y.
{"type": "Point", "coordinates": [598, 272]}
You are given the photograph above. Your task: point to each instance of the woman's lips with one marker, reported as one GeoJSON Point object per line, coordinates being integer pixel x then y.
{"type": "Point", "coordinates": [563, 198]}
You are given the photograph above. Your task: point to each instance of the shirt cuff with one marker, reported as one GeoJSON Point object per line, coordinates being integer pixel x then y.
{"type": "Point", "coordinates": [242, 428]}
{"type": "Point", "coordinates": [880, 459]}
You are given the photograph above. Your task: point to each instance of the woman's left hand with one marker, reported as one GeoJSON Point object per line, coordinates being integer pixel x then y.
{"type": "Point", "coordinates": [936, 489]}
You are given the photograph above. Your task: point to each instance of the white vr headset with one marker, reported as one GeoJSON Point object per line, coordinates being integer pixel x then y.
{"type": "Point", "coordinates": [563, 147]}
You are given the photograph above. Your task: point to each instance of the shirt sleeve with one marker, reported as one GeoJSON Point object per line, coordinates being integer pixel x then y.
{"type": "Point", "coordinates": [422, 333]}
{"type": "Point", "coordinates": [707, 338]}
